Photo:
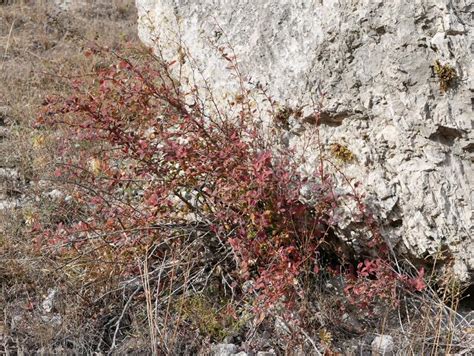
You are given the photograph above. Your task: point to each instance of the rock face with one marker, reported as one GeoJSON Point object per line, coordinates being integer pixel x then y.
{"type": "Point", "coordinates": [374, 68]}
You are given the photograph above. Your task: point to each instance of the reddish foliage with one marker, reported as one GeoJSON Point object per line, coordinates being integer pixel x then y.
{"type": "Point", "coordinates": [144, 165]}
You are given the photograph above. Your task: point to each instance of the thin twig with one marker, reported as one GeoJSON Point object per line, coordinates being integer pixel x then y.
{"type": "Point", "coordinates": [117, 324]}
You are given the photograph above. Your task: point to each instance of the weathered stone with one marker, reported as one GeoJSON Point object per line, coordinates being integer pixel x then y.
{"type": "Point", "coordinates": [49, 301]}
{"type": "Point", "coordinates": [9, 204]}
{"type": "Point", "coordinates": [63, 4]}
{"type": "Point", "coordinates": [370, 67]}
{"type": "Point", "coordinates": [266, 353]}
{"type": "Point", "coordinates": [53, 320]}
{"type": "Point", "coordinates": [383, 345]}
{"type": "Point", "coordinates": [223, 349]}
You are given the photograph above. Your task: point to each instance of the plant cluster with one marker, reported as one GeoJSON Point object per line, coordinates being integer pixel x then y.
{"type": "Point", "coordinates": [215, 321]}
{"type": "Point", "coordinates": [155, 174]}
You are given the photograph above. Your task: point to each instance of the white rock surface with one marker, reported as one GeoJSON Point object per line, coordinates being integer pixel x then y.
{"type": "Point", "coordinates": [369, 65]}
{"type": "Point", "coordinates": [49, 301]}
{"type": "Point", "coordinates": [266, 353]}
{"type": "Point", "coordinates": [223, 349]}
{"type": "Point", "coordinates": [383, 345]}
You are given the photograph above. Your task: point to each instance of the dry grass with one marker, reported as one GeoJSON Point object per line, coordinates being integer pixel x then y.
{"type": "Point", "coordinates": [40, 46]}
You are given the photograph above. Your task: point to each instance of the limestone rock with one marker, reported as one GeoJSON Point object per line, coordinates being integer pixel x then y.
{"type": "Point", "coordinates": [266, 353]}
{"type": "Point", "coordinates": [49, 301]}
{"type": "Point", "coordinates": [223, 349]}
{"type": "Point", "coordinates": [370, 68]}
{"type": "Point", "coordinates": [383, 345]}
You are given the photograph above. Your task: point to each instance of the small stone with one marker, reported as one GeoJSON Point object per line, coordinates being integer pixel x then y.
{"type": "Point", "coordinates": [16, 320]}
{"type": "Point", "coordinates": [266, 353]}
{"type": "Point", "coordinates": [223, 349]}
{"type": "Point", "coordinates": [383, 345]}
{"type": "Point", "coordinates": [48, 302]}
{"type": "Point", "coordinates": [53, 320]}
{"type": "Point", "coordinates": [281, 329]}
{"type": "Point", "coordinates": [9, 204]}
{"type": "Point", "coordinates": [55, 194]}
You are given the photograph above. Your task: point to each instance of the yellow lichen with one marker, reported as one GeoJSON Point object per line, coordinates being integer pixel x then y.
{"type": "Point", "coordinates": [446, 75]}
{"type": "Point", "coordinates": [342, 153]}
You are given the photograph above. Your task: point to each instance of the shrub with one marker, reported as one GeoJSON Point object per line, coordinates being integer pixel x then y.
{"type": "Point", "coordinates": [200, 194]}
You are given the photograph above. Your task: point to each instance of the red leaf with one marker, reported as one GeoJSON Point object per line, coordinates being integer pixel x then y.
{"type": "Point", "coordinates": [153, 199]}
{"type": "Point", "coordinates": [418, 283]}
